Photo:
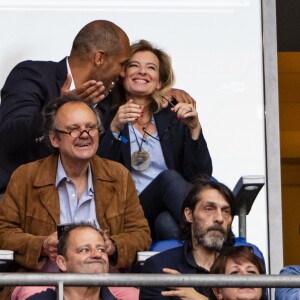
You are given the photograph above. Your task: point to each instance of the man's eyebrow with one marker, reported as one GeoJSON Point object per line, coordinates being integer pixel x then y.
{"type": "Point", "coordinates": [82, 246]}
{"type": "Point", "coordinates": [78, 125]}
{"type": "Point", "coordinates": [212, 202]}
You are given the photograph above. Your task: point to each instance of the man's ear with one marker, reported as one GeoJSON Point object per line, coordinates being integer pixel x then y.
{"type": "Point", "coordinates": [61, 263]}
{"type": "Point", "coordinates": [188, 215]}
{"type": "Point", "coordinates": [53, 139]}
{"type": "Point", "coordinates": [218, 293]}
{"type": "Point", "coordinates": [99, 57]}
{"type": "Point", "coordinates": [122, 74]}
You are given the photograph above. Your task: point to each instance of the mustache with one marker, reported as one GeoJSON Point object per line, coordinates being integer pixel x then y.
{"type": "Point", "coordinates": [216, 228]}
{"type": "Point", "coordinates": [96, 260]}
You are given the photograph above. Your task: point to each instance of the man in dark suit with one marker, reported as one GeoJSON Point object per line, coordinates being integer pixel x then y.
{"type": "Point", "coordinates": [98, 53]}
{"type": "Point", "coordinates": [207, 215]}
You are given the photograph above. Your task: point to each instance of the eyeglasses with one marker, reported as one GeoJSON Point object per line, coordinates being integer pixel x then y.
{"type": "Point", "coordinates": [75, 133]}
{"type": "Point", "coordinates": [166, 133]}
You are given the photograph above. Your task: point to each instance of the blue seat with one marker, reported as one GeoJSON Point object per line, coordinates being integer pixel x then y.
{"type": "Point", "coordinates": [164, 245]}
{"type": "Point", "coordinates": [241, 241]}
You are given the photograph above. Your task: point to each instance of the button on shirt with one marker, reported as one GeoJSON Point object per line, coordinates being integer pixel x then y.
{"type": "Point", "coordinates": [73, 210]}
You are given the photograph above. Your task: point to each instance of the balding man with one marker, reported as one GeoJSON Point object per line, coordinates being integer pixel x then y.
{"type": "Point", "coordinates": [98, 53]}
{"type": "Point", "coordinates": [70, 186]}
{"type": "Point", "coordinates": [81, 249]}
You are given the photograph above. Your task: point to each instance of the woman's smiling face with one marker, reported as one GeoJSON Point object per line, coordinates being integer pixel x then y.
{"type": "Point", "coordinates": [141, 75]}
{"type": "Point", "coordinates": [239, 268]}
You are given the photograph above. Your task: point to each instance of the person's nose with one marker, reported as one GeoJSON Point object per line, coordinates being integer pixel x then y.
{"type": "Point", "coordinates": [84, 134]}
{"type": "Point", "coordinates": [95, 253]}
{"type": "Point", "coordinates": [243, 271]}
{"type": "Point", "coordinates": [142, 70]}
{"type": "Point", "coordinates": [219, 218]}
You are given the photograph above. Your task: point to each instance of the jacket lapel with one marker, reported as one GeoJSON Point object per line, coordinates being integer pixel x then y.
{"type": "Point", "coordinates": [125, 149]}
{"type": "Point", "coordinates": [45, 182]}
{"type": "Point", "coordinates": [61, 73]}
{"type": "Point", "coordinates": [162, 121]}
{"type": "Point", "coordinates": [104, 188]}
{"type": "Point", "coordinates": [49, 198]}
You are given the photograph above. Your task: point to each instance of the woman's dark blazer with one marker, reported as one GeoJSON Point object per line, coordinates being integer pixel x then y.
{"type": "Point", "coordinates": [188, 157]}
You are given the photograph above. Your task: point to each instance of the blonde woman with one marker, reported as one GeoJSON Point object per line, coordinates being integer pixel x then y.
{"type": "Point", "coordinates": [156, 133]}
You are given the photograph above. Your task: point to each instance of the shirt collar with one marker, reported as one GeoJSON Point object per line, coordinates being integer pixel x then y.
{"type": "Point", "coordinates": [90, 180]}
{"type": "Point", "coordinates": [72, 87]}
{"type": "Point", "coordinates": [61, 175]}
{"type": "Point", "coordinates": [190, 257]}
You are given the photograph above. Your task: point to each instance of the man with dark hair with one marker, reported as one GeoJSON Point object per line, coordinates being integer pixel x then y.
{"type": "Point", "coordinates": [98, 53]}
{"type": "Point", "coordinates": [81, 249]}
{"type": "Point", "coordinates": [207, 215]}
{"type": "Point", "coordinates": [69, 186]}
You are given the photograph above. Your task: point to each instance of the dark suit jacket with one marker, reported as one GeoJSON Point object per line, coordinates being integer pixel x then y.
{"type": "Point", "coordinates": [28, 87]}
{"type": "Point", "coordinates": [181, 259]}
{"type": "Point", "coordinates": [188, 157]}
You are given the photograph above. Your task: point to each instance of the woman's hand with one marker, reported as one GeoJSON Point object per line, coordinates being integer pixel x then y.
{"type": "Point", "coordinates": [182, 292]}
{"type": "Point", "coordinates": [188, 115]}
{"type": "Point", "coordinates": [128, 112]}
{"type": "Point", "coordinates": [185, 110]}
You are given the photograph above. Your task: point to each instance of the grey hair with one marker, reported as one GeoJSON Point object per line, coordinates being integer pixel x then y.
{"type": "Point", "coordinates": [51, 109]}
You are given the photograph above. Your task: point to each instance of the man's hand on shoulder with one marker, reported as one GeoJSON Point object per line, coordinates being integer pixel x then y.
{"type": "Point", "coordinates": [181, 96]}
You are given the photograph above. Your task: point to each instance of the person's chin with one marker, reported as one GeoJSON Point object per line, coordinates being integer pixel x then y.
{"type": "Point", "coordinates": [248, 294]}
{"type": "Point", "coordinates": [215, 234]}
{"type": "Point", "coordinates": [97, 270]}
{"type": "Point", "coordinates": [87, 152]}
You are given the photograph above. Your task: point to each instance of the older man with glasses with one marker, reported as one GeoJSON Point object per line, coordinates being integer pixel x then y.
{"type": "Point", "coordinates": [70, 186]}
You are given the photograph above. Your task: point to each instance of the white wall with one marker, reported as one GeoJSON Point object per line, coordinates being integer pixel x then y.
{"type": "Point", "coordinates": [216, 48]}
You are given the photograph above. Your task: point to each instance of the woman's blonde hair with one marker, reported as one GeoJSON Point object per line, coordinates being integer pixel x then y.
{"type": "Point", "coordinates": [166, 73]}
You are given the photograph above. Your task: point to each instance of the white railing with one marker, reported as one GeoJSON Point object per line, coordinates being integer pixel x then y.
{"type": "Point", "coordinates": [136, 280]}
